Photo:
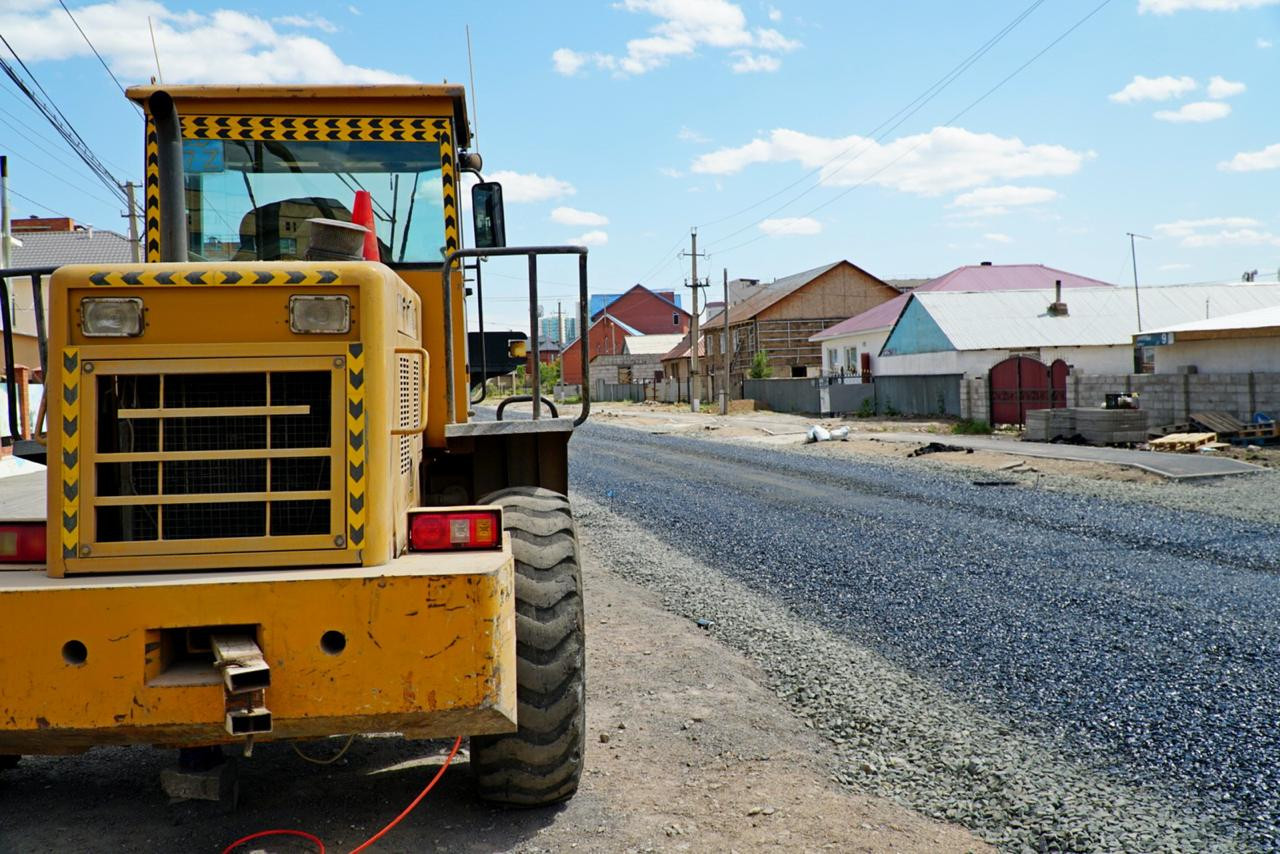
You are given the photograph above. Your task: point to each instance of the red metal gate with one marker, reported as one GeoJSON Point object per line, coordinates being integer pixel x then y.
{"type": "Point", "coordinates": [1020, 383]}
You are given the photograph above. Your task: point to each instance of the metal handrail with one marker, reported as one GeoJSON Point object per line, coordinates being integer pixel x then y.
{"type": "Point", "coordinates": [532, 252]}
{"type": "Point", "coordinates": [36, 275]}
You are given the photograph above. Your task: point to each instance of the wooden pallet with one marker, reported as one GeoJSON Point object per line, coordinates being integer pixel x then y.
{"type": "Point", "coordinates": [1182, 443]}
{"type": "Point", "coordinates": [1222, 423]}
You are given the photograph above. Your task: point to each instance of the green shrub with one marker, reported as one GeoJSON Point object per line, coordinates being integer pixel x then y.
{"type": "Point", "coordinates": [970, 427]}
{"type": "Point", "coordinates": [760, 369]}
{"type": "Point", "coordinates": [867, 409]}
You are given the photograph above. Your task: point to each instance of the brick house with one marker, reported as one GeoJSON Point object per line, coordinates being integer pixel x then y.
{"type": "Point", "coordinates": [780, 317]}
{"type": "Point", "coordinates": [606, 337]}
{"type": "Point", "coordinates": [647, 312]}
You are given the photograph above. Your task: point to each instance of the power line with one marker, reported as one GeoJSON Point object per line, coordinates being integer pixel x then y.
{"type": "Point", "coordinates": [95, 53]}
{"type": "Point", "coordinates": [37, 204]}
{"type": "Point", "coordinates": [60, 179]}
{"type": "Point", "coordinates": [60, 123]}
{"type": "Point", "coordinates": [949, 121]}
{"type": "Point", "coordinates": [910, 109]}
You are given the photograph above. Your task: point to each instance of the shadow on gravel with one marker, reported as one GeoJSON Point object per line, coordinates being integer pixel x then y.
{"type": "Point", "coordinates": [110, 800]}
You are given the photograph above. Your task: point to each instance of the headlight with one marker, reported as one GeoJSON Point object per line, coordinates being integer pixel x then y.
{"type": "Point", "coordinates": [111, 317]}
{"type": "Point", "coordinates": [326, 314]}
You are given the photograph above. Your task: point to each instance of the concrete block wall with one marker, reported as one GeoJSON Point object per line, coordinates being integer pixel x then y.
{"type": "Point", "coordinates": [975, 402]}
{"type": "Point", "coordinates": [1170, 398]}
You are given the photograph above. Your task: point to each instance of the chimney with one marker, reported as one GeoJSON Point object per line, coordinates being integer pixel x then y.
{"type": "Point", "coordinates": [1057, 308]}
{"type": "Point", "coordinates": [986, 264]}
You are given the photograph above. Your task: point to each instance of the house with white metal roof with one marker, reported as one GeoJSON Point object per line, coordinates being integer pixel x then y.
{"type": "Point", "coordinates": [853, 345]}
{"type": "Point", "coordinates": [1246, 342]}
{"type": "Point", "coordinates": [1091, 329]}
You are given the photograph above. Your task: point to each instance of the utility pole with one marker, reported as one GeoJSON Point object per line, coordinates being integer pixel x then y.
{"type": "Point", "coordinates": [4, 211]}
{"type": "Point", "coordinates": [724, 317]}
{"type": "Point", "coordinates": [133, 221]}
{"type": "Point", "coordinates": [694, 403]}
{"type": "Point", "coordinates": [1134, 254]}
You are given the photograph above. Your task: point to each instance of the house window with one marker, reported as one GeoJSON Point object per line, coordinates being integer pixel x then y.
{"type": "Point", "coordinates": [851, 359]}
{"type": "Point", "coordinates": [833, 360]}
{"type": "Point", "coordinates": [675, 319]}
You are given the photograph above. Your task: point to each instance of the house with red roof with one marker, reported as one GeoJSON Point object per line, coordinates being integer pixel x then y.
{"type": "Point", "coordinates": [852, 347]}
{"type": "Point", "coordinates": [648, 312]}
{"type": "Point", "coordinates": [607, 336]}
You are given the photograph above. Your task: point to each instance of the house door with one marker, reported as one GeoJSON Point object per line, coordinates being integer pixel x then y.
{"type": "Point", "coordinates": [1020, 383]}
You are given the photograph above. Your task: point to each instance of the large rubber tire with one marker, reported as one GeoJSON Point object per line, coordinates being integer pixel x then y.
{"type": "Point", "coordinates": [540, 763]}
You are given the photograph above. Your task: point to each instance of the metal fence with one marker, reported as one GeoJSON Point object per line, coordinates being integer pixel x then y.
{"type": "Point", "coordinates": [925, 395]}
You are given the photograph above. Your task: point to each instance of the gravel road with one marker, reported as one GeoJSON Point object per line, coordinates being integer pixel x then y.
{"type": "Point", "coordinates": [1137, 643]}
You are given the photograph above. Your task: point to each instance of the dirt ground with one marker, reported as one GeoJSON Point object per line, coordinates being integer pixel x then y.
{"type": "Point", "coordinates": [687, 751]}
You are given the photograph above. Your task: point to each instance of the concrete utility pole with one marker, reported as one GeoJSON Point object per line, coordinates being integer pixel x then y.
{"type": "Point", "coordinates": [724, 318]}
{"type": "Point", "coordinates": [694, 403]}
{"type": "Point", "coordinates": [1134, 254]}
{"type": "Point", "coordinates": [133, 221]}
{"type": "Point", "coordinates": [4, 211]}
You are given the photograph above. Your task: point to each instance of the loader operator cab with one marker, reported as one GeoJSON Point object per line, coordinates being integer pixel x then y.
{"type": "Point", "coordinates": [268, 511]}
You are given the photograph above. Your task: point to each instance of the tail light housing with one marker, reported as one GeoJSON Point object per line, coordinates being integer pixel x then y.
{"type": "Point", "coordinates": [22, 542]}
{"type": "Point", "coordinates": [455, 529]}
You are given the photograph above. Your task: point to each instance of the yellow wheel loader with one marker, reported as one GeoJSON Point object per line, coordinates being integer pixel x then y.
{"type": "Point", "coordinates": [266, 513]}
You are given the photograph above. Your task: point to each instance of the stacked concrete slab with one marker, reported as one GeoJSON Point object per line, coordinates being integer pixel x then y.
{"type": "Point", "coordinates": [1096, 426]}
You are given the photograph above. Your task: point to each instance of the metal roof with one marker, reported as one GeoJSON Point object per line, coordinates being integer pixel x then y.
{"type": "Point", "coordinates": [650, 345]}
{"type": "Point", "coordinates": [771, 293]}
{"type": "Point", "coordinates": [1001, 320]}
{"type": "Point", "coordinates": [1262, 318]}
{"type": "Point", "coordinates": [970, 278]}
{"type": "Point", "coordinates": [55, 248]}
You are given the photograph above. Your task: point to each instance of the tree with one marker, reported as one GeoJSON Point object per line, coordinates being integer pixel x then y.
{"type": "Point", "coordinates": [549, 375]}
{"type": "Point", "coordinates": [760, 369]}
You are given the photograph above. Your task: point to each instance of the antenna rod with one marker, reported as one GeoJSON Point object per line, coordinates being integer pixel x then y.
{"type": "Point", "coordinates": [471, 73]}
{"type": "Point", "coordinates": [1134, 253]}
{"type": "Point", "coordinates": [154, 50]}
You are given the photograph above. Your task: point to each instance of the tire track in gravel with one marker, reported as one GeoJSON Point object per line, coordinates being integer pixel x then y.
{"type": "Point", "coordinates": [1131, 632]}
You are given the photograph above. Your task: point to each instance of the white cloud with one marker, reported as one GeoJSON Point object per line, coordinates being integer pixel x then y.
{"type": "Point", "coordinates": [591, 238]}
{"type": "Point", "coordinates": [1263, 44]}
{"type": "Point", "coordinates": [687, 134]}
{"type": "Point", "coordinates": [573, 216]}
{"type": "Point", "coordinates": [683, 27]}
{"type": "Point", "coordinates": [1153, 89]}
{"type": "Point", "coordinates": [997, 237]}
{"type": "Point", "coordinates": [568, 62]}
{"type": "Point", "coordinates": [1254, 161]}
{"type": "Point", "coordinates": [249, 48]}
{"type": "Point", "coordinates": [1216, 232]}
{"type": "Point", "coordinates": [355, 10]}
{"type": "Point", "coordinates": [529, 187]}
{"type": "Point", "coordinates": [789, 226]}
{"type": "Point", "coordinates": [745, 62]}
{"type": "Point", "coordinates": [1222, 88]}
{"type": "Point", "coordinates": [1008, 195]}
{"type": "Point", "coordinates": [1198, 111]}
{"type": "Point", "coordinates": [670, 172]}
{"type": "Point", "coordinates": [775, 14]}
{"type": "Point", "coordinates": [305, 21]}
{"type": "Point", "coordinates": [928, 164]}
{"type": "Point", "coordinates": [1168, 7]}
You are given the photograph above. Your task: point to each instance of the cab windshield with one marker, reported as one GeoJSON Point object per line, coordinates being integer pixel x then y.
{"type": "Point", "coordinates": [250, 200]}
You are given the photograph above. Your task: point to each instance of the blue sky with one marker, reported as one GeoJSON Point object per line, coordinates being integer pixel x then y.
{"type": "Point", "coordinates": [623, 124]}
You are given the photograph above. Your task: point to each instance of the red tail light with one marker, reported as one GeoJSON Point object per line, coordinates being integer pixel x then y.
{"type": "Point", "coordinates": [450, 530]}
{"type": "Point", "coordinates": [22, 542]}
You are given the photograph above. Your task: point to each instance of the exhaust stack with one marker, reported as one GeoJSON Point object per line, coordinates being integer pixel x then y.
{"type": "Point", "coordinates": [172, 189]}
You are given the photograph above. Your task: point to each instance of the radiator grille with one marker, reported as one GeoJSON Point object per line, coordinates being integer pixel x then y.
{"type": "Point", "coordinates": [410, 385]}
{"type": "Point", "coordinates": [216, 454]}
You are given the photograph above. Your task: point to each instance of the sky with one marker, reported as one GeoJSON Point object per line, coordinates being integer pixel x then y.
{"type": "Point", "coordinates": [909, 138]}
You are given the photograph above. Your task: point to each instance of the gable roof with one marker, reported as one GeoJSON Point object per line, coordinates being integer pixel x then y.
{"type": "Point", "coordinates": [681, 350]}
{"type": "Point", "coordinates": [1002, 320]}
{"type": "Point", "coordinates": [633, 289]}
{"type": "Point", "coordinates": [1262, 318]}
{"type": "Point", "coordinates": [55, 248]}
{"type": "Point", "coordinates": [972, 278]}
{"type": "Point", "coordinates": [775, 292]}
{"type": "Point", "coordinates": [649, 345]}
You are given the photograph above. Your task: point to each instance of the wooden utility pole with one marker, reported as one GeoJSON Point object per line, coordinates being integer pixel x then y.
{"type": "Point", "coordinates": [694, 403]}
{"type": "Point", "coordinates": [724, 318]}
{"type": "Point", "coordinates": [133, 222]}
{"type": "Point", "coordinates": [1133, 253]}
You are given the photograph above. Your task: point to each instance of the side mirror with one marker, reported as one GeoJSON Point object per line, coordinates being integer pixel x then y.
{"type": "Point", "coordinates": [487, 216]}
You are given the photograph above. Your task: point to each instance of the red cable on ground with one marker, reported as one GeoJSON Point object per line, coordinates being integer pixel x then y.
{"type": "Point", "coordinates": [372, 839]}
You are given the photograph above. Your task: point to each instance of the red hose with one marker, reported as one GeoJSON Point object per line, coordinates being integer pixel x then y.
{"type": "Point", "coordinates": [372, 839]}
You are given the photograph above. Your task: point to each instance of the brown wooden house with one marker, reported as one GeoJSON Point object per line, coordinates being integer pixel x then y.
{"type": "Point", "coordinates": [780, 318]}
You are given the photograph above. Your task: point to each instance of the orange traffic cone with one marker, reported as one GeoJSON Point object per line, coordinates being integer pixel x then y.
{"type": "Point", "coordinates": [362, 214]}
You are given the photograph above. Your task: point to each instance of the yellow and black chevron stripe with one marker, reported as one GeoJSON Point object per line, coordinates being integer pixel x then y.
{"type": "Point", "coordinates": [153, 193]}
{"type": "Point", "coordinates": [356, 467]}
{"type": "Point", "coordinates": [144, 278]}
{"type": "Point", "coordinates": [318, 128]}
{"type": "Point", "coordinates": [449, 176]}
{"type": "Point", "coordinates": [70, 451]}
